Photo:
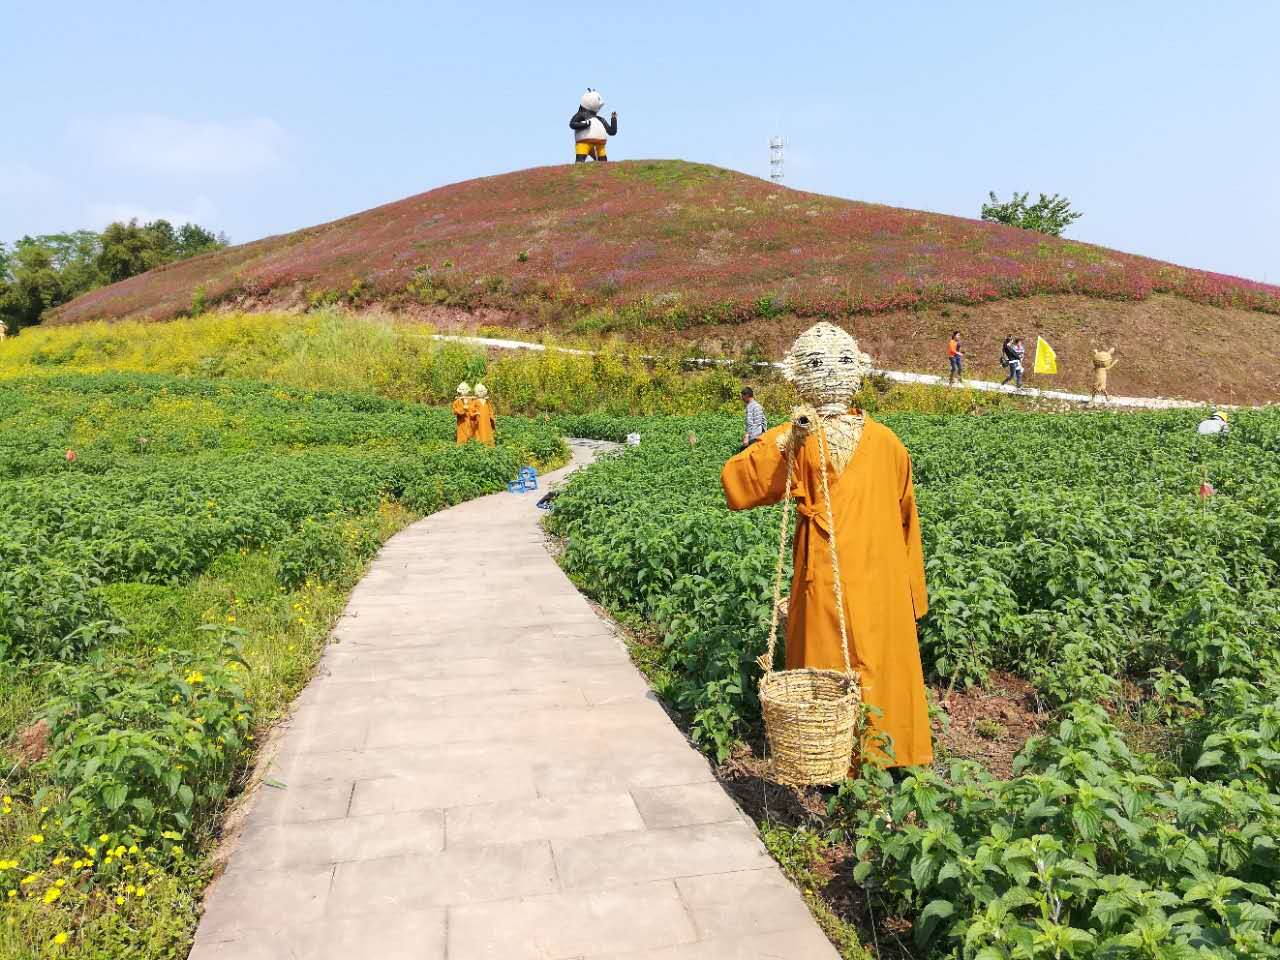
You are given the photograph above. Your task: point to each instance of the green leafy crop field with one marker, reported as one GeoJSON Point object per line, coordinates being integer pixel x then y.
{"type": "Point", "coordinates": [1074, 552]}
{"type": "Point", "coordinates": [172, 554]}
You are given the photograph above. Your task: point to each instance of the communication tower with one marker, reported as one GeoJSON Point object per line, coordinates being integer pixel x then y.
{"type": "Point", "coordinates": [775, 159]}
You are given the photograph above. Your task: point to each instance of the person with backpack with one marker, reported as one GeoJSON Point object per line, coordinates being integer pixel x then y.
{"type": "Point", "coordinates": [1011, 355]}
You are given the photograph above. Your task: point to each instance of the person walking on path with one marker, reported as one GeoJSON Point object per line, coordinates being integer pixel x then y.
{"type": "Point", "coordinates": [756, 423]}
{"type": "Point", "coordinates": [956, 357]}
{"type": "Point", "coordinates": [851, 480]}
{"type": "Point", "coordinates": [1011, 355]}
{"type": "Point", "coordinates": [1103, 360]}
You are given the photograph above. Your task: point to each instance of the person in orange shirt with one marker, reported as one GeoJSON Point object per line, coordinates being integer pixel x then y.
{"type": "Point", "coordinates": [956, 357]}
{"type": "Point", "coordinates": [462, 411]}
{"type": "Point", "coordinates": [484, 425]}
{"type": "Point", "coordinates": [877, 534]}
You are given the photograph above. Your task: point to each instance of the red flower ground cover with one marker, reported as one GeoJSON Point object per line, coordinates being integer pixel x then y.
{"type": "Point", "coordinates": [678, 242]}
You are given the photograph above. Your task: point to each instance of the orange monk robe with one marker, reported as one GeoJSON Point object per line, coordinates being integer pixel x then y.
{"type": "Point", "coordinates": [484, 425]}
{"type": "Point", "coordinates": [881, 566]}
{"type": "Point", "coordinates": [465, 429]}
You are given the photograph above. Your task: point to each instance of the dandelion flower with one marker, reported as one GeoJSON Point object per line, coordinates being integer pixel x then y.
{"type": "Point", "coordinates": [61, 938]}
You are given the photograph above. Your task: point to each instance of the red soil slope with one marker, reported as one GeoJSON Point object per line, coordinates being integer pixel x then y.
{"type": "Point", "coordinates": [676, 243]}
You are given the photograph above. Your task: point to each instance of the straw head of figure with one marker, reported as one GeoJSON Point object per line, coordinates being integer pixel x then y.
{"type": "Point", "coordinates": [826, 367]}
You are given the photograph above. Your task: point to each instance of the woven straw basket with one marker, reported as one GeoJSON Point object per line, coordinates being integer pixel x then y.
{"type": "Point", "coordinates": [810, 715]}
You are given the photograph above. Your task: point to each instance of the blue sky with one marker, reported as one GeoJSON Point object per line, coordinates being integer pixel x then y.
{"type": "Point", "coordinates": [1158, 120]}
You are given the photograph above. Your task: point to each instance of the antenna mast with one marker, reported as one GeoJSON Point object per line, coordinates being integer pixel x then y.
{"type": "Point", "coordinates": [775, 159]}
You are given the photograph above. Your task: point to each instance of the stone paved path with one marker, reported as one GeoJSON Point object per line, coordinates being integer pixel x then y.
{"type": "Point", "coordinates": [478, 771]}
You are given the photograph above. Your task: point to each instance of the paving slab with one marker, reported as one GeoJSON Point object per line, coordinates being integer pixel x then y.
{"type": "Point", "coordinates": [477, 770]}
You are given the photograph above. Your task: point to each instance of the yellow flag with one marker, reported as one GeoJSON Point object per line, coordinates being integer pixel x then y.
{"type": "Point", "coordinates": [1046, 359]}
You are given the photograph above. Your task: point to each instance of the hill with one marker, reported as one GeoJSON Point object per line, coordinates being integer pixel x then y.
{"type": "Point", "coordinates": [651, 247]}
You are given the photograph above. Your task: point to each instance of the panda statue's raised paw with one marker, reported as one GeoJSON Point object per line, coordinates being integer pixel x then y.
{"type": "Point", "coordinates": [590, 133]}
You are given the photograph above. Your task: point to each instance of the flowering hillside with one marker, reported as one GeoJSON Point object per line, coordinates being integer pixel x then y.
{"type": "Point", "coordinates": [682, 242]}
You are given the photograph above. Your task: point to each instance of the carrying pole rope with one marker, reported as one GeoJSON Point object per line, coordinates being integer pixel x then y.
{"type": "Point", "coordinates": [835, 559]}
{"type": "Point", "coordinates": [766, 661]}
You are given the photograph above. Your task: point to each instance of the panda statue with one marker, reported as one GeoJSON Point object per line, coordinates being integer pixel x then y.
{"type": "Point", "coordinates": [589, 131]}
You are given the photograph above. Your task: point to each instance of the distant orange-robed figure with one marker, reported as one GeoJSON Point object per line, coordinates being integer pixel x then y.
{"type": "Point", "coordinates": [483, 424]}
{"type": "Point", "coordinates": [881, 560]}
{"type": "Point", "coordinates": [462, 411]}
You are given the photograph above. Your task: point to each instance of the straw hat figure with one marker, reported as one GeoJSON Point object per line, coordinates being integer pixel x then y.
{"type": "Point", "coordinates": [483, 424]}
{"type": "Point", "coordinates": [866, 504]}
{"type": "Point", "coordinates": [1103, 360]}
{"type": "Point", "coordinates": [462, 411]}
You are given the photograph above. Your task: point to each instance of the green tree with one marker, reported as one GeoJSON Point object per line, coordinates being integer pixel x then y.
{"type": "Point", "coordinates": [42, 272]}
{"type": "Point", "coordinates": [1049, 215]}
{"type": "Point", "coordinates": [193, 239]}
{"type": "Point", "coordinates": [129, 249]}
{"type": "Point", "coordinates": [34, 284]}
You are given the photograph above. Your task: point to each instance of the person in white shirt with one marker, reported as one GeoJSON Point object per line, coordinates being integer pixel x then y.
{"type": "Point", "coordinates": [756, 422]}
{"type": "Point", "coordinates": [1215, 424]}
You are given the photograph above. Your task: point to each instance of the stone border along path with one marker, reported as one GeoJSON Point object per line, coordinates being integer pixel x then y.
{"type": "Point", "coordinates": [899, 376]}
{"type": "Point", "coordinates": [477, 770]}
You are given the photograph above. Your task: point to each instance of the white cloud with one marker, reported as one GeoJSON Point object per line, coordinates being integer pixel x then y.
{"type": "Point", "coordinates": [21, 178]}
{"type": "Point", "coordinates": [156, 145]}
{"type": "Point", "coordinates": [200, 210]}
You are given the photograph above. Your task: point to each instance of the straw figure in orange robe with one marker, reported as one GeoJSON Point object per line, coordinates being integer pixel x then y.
{"type": "Point", "coordinates": [484, 426]}
{"type": "Point", "coordinates": [462, 411]}
{"type": "Point", "coordinates": [878, 538]}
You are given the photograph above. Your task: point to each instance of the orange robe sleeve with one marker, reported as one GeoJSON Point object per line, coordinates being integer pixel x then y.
{"type": "Point", "coordinates": [757, 476]}
{"type": "Point", "coordinates": [915, 548]}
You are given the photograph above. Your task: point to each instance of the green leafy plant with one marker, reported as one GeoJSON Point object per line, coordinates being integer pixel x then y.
{"type": "Point", "coordinates": [148, 749]}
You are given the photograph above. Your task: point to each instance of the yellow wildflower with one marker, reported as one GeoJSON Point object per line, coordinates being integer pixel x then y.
{"type": "Point", "coordinates": [52, 894]}
{"type": "Point", "coordinates": [37, 838]}
{"type": "Point", "coordinates": [61, 938]}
